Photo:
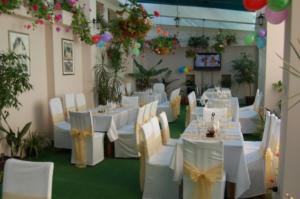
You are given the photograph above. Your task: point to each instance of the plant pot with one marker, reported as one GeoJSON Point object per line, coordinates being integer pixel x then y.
{"type": "Point", "coordinates": [249, 100]}
{"type": "Point", "coordinates": [162, 51]}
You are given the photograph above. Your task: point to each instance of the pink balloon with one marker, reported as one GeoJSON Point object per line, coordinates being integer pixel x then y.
{"type": "Point", "coordinates": [276, 17]}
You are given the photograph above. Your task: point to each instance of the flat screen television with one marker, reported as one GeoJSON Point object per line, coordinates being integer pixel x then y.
{"type": "Point", "coordinates": [207, 61]}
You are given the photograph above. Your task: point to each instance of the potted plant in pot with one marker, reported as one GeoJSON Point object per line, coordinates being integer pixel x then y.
{"type": "Point", "coordinates": [14, 82]}
{"type": "Point", "coordinates": [245, 72]}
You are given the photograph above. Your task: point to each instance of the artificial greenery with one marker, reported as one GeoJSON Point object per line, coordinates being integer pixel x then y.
{"type": "Point", "coordinates": [39, 9]}
{"type": "Point", "coordinates": [144, 76]}
{"type": "Point", "coordinates": [245, 70]}
{"type": "Point", "coordinates": [190, 53]}
{"type": "Point", "coordinates": [278, 86]}
{"type": "Point", "coordinates": [34, 144]}
{"type": "Point", "coordinates": [201, 42]}
{"type": "Point", "coordinates": [163, 45]}
{"type": "Point", "coordinates": [223, 40]}
{"type": "Point", "coordinates": [7, 6]}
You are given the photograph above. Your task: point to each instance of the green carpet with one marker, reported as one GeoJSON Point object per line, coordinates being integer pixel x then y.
{"type": "Point", "coordinates": [111, 179]}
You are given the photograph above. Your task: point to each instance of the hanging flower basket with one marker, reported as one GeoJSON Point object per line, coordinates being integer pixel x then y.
{"type": "Point", "coordinates": [163, 45]}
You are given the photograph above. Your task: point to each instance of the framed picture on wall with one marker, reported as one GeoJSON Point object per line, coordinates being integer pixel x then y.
{"type": "Point", "coordinates": [68, 57]}
{"type": "Point", "coordinates": [19, 43]}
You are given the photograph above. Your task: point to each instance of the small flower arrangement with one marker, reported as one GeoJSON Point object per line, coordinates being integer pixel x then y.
{"type": "Point", "coordinates": [40, 9]}
{"type": "Point", "coordinates": [7, 6]}
{"type": "Point", "coordinates": [163, 45]}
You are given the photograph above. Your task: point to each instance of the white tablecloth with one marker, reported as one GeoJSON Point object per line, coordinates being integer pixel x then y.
{"type": "Point", "coordinates": [215, 93]}
{"type": "Point", "coordinates": [146, 97]}
{"type": "Point", "coordinates": [111, 121]}
{"type": "Point", "coordinates": [235, 164]}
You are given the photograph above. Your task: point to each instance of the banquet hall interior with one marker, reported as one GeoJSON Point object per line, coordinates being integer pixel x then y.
{"type": "Point", "coordinates": [152, 99]}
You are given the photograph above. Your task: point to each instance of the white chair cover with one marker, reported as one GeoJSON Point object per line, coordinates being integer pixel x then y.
{"type": "Point", "coordinates": [255, 106]}
{"type": "Point", "coordinates": [220, 114]}
{"type": "Point", "coordinates": [147, 114]}
{"type": "Point", "coordinates": [93, 144]}
{"type": "Point", "coordinates": [167, 106]}
{"type": "Point", "coordinates": [166, 130]}
{"type": "Point", "coordinates": [127, 144]}
{"type": "Point", "coordinates": [159, 177]}
{"type": "Point", "coordinates": [154, 108]}
{"type": "Point", "coordinates": [203, 156]}
{"type": "Point", "coordinates": [132, 101]}
{"type": "Point", "coordinates": [61, 128]}
{"type": "Point", "coordinates": [24, 179]}
{"type": "Point", "coordinates": [70, 103]}
{"type": "Point", "coordinates": [128, 88]}
{"type": "Point", "coordinates": [158, 87]}
{"type": "Point", "coordinates": [80, 102]}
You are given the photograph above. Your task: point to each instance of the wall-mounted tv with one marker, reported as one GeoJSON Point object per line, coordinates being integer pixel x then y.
{"type": "Point", "coordinates": [207, 61]}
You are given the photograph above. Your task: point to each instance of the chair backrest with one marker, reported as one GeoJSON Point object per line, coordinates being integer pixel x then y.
{"type": "Point", "coordinates": [157, 133]}
{"type": "Point", "coordinates": [154, 108]}
{"type": "Point", "coordinates": [158, 87]}
{"type": "Point", "coordinates": [56, 109]}
{"type": "Point", "coordinates": [220, 114]}
{"type": "Point", "coordinates": [147, 113]}
{"type": "Point", "coordinates": [81, 121]}
{"type": "Point", "coordinates": [130, 101]}
{"type": "Point", "coordinates": [139, 123]}
{"type": "Point", "coordinates": [257, 101]}
{"type": "Point", "coordinates": [24, 179]}
{"type": "Point", "coordinates": [274, 134]}
{"type": "Point", "coordinates": [174, 94]}
{"type": "Point", "coordinates": [192, 100]}
{"type": "Point", "coordinates": [266, 133]}
{"type": "Point", "coordinates": [164, 127]}
{"type": "Point", "coordinates": [70, 103]}
{"type": "Point", "coordinates": [148, 139]}
{"type": "Point", "coordinates": [80, 102]}
{"type": "Point", "coordinates": [128, 88]}
{"type": "Point", "coordinates": [203, 154]}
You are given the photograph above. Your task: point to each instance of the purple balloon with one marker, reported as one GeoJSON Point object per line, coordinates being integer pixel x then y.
{"type": "Point", "coordinates": [276, 17]}
{"type": "Point", "coordinates": [262, 33]}
{"type": "Point", "coordinates": [106, 37]}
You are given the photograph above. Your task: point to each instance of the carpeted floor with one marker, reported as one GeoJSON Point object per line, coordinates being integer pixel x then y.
{"type": "Point", "coordinates": [111, 179]}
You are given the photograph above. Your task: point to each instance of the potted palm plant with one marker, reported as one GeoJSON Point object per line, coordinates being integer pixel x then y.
{"type": "Point", "coordinates": [245, 72]}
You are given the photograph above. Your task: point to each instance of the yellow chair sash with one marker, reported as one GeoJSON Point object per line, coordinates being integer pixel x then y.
{"type": "Point", "coordinates": [204, 179]}
{"type": "Point", "coordinates": [58, 118]}
{"type": "Point", "coordinates": [178, 100]}
{"type": "Point", "coordinates": [269, 169]}
{"type": "Point", "coordinates": [81, 108]}
{"type": "Point", "coordinates": [79, 144]}
{"type": "Point", "coordinates": [165, 133]}
{"type": "Point", "coordinates": [7, 195]}
{"type": "Point", "coordinates": [173, 108]}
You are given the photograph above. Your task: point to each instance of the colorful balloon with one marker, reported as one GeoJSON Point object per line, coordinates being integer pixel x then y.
{"type": "Point", "coordinates": [260, 42]}
{"type": "Point", "coordinates": [96, 38]}
{"type": "Point", "coordinates": [106, 37]}
{"type": "Point", "coordinates": [279, 5]}
{"type": "Point", "coordinates": [262, 32]}
{"type": "Point", "coordinates": [253, 5]}
{"type": "Point", "coordinates": [250, 38]}
{"type": "Point", "coordinates": [186, 70]}
{"type": "Point", "coordinates": [101, 44]}
{"type": "Point", "coordinates": [276, 17]}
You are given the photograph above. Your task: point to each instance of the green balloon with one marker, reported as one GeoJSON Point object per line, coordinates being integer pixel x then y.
{"type": "Point", "coordinates": [250, 39]}
{"type": "Point", "coordinates": [279, 5]}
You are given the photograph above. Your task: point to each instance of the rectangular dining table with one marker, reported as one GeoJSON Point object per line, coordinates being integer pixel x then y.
{"type": "Point", "coordinates": [235, 164]}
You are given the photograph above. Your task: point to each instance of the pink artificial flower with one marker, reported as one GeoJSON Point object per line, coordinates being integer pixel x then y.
{"type": "Point", "coordinates": [68, 29]}
{"type": "Point", "coordinates": [28, 26]}
{"type": "Point", "coordinates": [45, 7]}
{"type": "Point", "coordinates": [49, 17]}
{"type": "Point", "coordinates": [58, 17]}
{"type": "Point", "coordinates": [35, 7]}
{"type": "Point", "coordinates": [57, 6]}
{"type": "Point", "coordinates": [156, 13]}
{"type": "Point", "coordinates": [39, 21]}
{"type": "Point", "coordinates": [72, 2]}
{"type": "Point", "coordinates": [57, 29]}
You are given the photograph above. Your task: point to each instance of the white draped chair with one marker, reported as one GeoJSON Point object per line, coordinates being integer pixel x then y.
{"type": "Point", "coordinates": [70, 103]}
{"type": "Point", "coordinates": [171, 107]}
{"type": "Point", "coordinates": [204, 176]}
{"type": "Point", "coordinates": [147, 113]}
{"type": "Point", "coordinates": [87, 145]}
{"type": "Point", "coordinates": [193, 111]}
{"type": "Point", "coordinates": [158, 183]}
{"type": "Point", "coordinates": [218, 114]}
{"type": "Point", "coordinates": [165, 130]}
{"type": "Point", "coordinates": [153, 111]}
{"type": "Point", "coordinates": [61, 128]}
{"type": "Point", "coordinates": [127, 144]}
{"type": "Point", "coordinates": [80, 102]}
{"type": "Point", "coordinates": [249, 116]}
{"type": "Point", "coordinates": [160, 88]}
{"type": "Point", "coordinates": [255, 154]}
{"type": "Point", "coordinates": [24, 179]}
{"type": "Point", "coordinates": [130, 101]}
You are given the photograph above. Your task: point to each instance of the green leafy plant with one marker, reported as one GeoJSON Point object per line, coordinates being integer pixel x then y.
{"type": "Point", "coordinates": [7, 6]}
{"type": "Point", "coordinates": [144, 76]}
{"type": "Point", "coordinates": [245, 71]}
{"type": "Point", "coordinates": [201, 42]}
{"type": "Point", "coordinates": [163, 45]}
{"type": "Point", "coordinates": [190, 53]}
{"type": "Point", "coordinates": [40, 9]}
{"type": "Point", "coordinates": [34, 144]}
{"type": "Point", "coordinates": [278, 86]}
{"type": "Point", "coordinates": [15, 140]}
{"type": "Point", "coordinates": [223, 40]}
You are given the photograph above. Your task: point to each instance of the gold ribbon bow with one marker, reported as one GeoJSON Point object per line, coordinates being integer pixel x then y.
{"type": "Point", "coordinates": [79, 144]}
{"type": "Point", "coordinates": [204, 179]}
{"type": "Point", "coordinates": [7, 195]}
